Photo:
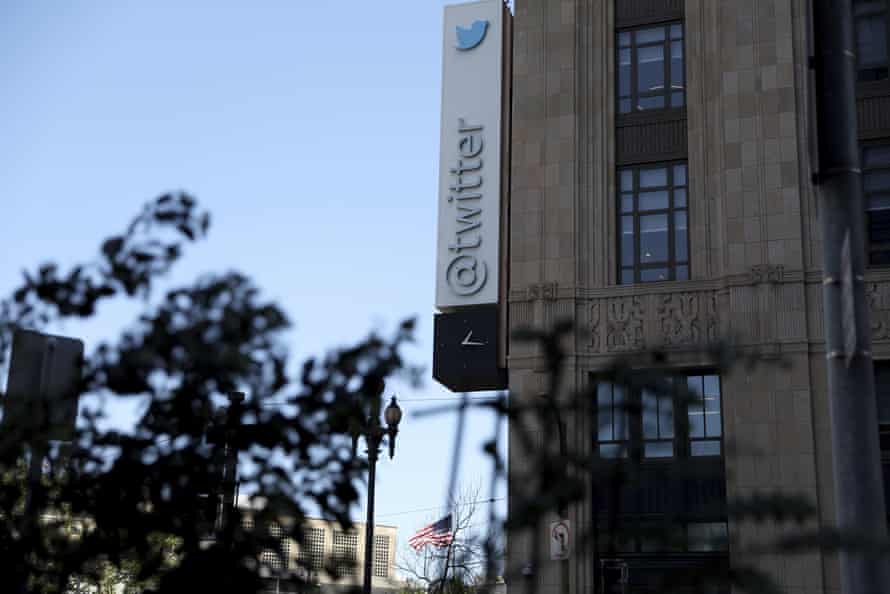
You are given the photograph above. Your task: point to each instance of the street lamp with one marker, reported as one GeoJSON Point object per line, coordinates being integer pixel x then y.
{"type": "Point", "coordinates": [373, 433]}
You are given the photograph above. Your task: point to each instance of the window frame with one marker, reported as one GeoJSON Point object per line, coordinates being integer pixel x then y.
{"type": "Point", "coordinates": [635, 439]}
{"type": "Point", "coordinates": [869, 249]}
{"type": "Point", "coordinates": [631, 529]}
{"type": "Point", "coordinates": [885, 16]}
{"type": "Point", "coordinates": [671, 263]}
{"type": "Point", "coordinates": [668, 88]}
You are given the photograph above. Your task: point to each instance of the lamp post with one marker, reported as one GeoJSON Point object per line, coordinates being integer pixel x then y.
{"type": "Point", "coordinates": [373, 433]}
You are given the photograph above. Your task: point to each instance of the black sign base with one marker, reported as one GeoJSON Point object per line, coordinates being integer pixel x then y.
{"type": "Point", "coordinates": [465, 356]}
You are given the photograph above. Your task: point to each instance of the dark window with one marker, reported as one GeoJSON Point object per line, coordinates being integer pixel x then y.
{"type": "Point", "coordinates": [312, 551]}
{"type": "Point", "coordinates": [876, 185]}
{"type": "Point", "coordinates": [381, 556]}
{"type": "Point", "coordinates": [705, 418]}
{"type": "Point", "coordinates": [653, 222]}
{"type": "Point", "coordinates": [651, 72]}
{"type": "Point", "coordinates": [345, 551]}
{"type": "Point", "coordinates": [662, 433]}
{"type": "Point", "coordinates": [633, 534]}
{"type": "Point", "coordinates": [658, 425]}
{"type": "Point", "coordinates": [613, 426]}
{"type": "Point", "coordinates": [277, 559]}
{"type": "Point", "coordinates": [872, 58]}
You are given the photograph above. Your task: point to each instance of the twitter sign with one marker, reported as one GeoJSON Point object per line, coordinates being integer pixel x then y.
{"type": "Point", "coordinates": [471, 37]}
{"type": "Point", "coordinates": [471, 175]}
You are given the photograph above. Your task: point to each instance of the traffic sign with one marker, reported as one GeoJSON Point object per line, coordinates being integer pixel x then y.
{"type": "Point", "coordinates": [43, 386]}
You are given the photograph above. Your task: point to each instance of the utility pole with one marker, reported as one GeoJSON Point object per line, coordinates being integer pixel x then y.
{"type": "Point", "coordinates": [858, 484]}
{"type": "Point", "coordinates": [230, 466]}
{"type": "Point", "coordinates": [227, 435]}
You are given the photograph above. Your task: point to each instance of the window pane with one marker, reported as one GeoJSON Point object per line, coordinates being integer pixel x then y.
{"type": "Point", "coordinates": [677, 99]}
{"type": "Point", "coordinates": [876, 156]}
{"type": "Point", "coordinates": [612, 450]}
{"type": "Point", "coordinates": [666, 415]}
{"type": "Point", "coordinates": [650, 35]}
{"type": "Point", "coordinates": [711, 385]}
{"type": "Point", "coordinates": [676, 31]}
{"type": "Point", "coordinates": [879, 202]}
{"type": "Point", "coordinates": [624, 73]}
{"type": "Point", "coordinates": [650, 103]}
{"type": "Point", "coordinates": [695, 408]}
{"type": "Point", "coordinates": [650, 415]}
{"type": "Point", "coordinates": [711, 536]}
{"type": "Point", "coordinates": [654, 200]}
{"type": "Point", "coordinates": [653, 275]}
{"type": "Point", "coordinates": [628, 254]}
{"type": "Point", "coordinates": [679, 175]}
{"type": "Point", "coordinates": [713, 419]}
{"type": "Point", "coordinates": [653, 178]}
{"type": "Point", "coordinates": [627, 180]}
{"type": "Point", "coordinates": [871, 41]}
{"type": "Point", "coordinates": [878, 227]}
{"type": "Point", "coordinates": [681, 247]}
{"type": "Point", "coordinates": [705, 448]}
{"type": "Point", "coordinates": [624, 39]}
{"type": "Point", "coordinates": [654, 238]}
{"type": "Point", "coordinates": [682, 273]}
{"type": "Point", "coordinates": [604, 411]}
{"type": "Point", "coordinates": [678, 76]}
{"type": "Point", "coordinates": [624, 106]}
{"type": "Point", "coordinates": [627, 276]}
{"type": "Point", "coordinates": [627, 203]}
{"type": "Point", "coordinates": [650, 68]}
{"type": "Point", "coordinates": [679, 198]}
{"type": "Point", "coordinates": [619, 413]}
{"type": "Point", "coordinates": [875, 181]}
{"type": "Point", "coordinates": [658, 449]}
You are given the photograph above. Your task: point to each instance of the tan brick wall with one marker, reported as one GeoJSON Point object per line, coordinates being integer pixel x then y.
{"type": "Point", "coordinates": [753, 238]}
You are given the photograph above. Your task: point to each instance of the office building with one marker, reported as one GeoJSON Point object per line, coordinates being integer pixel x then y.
{"type": "Point", "coordinates": [328, 545]}
{"type": "Point", "coordinates": [661, 197]}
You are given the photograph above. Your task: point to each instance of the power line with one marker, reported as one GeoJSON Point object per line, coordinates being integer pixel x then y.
{"type": "Point", "coordinates": [454, 399]}
{"type": "Point", "coordinates": [414, 511]}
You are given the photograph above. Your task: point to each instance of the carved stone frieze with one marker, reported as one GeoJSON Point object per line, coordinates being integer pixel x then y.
{"type": "Point", "coordinates": [625, 318]}
{"type": "Point", "coordinates": [877, 295]}
{"type": "Point", "coordinates": [636, 322]}
{"type": "Point", "coordinates": [595, 329]}
{"type": "Point", "coordinates": [543, 291]}
{"type": "Point", "coordinates": [688, 318]}
{"type": "Point", "coordinates": [766, 274]}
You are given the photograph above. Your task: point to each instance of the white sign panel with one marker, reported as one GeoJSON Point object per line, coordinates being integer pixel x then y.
{"type": "Point", "coordinates": [560, 540]}
{"type": "Point", "coordinates": [468, 252]}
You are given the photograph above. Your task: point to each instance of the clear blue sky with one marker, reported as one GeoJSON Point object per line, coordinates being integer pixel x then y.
{"type": "Point", "coordinates": [309, 129]}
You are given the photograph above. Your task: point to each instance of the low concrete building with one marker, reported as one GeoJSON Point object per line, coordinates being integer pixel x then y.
{"type": "Point", "coordinates": [327, 544]}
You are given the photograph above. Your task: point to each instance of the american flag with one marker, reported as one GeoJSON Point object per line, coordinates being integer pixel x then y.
{"type": "Point", "coordinates": [438, 534]}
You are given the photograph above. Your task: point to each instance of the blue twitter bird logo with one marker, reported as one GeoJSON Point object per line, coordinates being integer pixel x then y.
{"type": "Point", "coordinates": [469, 38]}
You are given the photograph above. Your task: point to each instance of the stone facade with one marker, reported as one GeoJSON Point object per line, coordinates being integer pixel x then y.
{"type": "Point", "coordinates": [753, 236]}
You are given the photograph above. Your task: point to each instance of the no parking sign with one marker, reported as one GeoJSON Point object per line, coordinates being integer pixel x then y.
{"type": "Point", "coordinates": [560, 540]}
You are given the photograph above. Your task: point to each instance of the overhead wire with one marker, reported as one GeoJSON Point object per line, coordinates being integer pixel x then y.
{"type": "Point", "coordinates": [424, 509]}
{"type": "Point", "coordinates": [455, 399]}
